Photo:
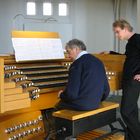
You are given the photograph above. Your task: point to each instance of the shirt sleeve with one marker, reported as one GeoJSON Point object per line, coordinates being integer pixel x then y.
{"type": "Point", "coordinates": [106, 90]}
{"type": "Point", "coordinates": [113, 52]}
{"type": "Point", "coordinates": [73, 85]}
{"type": "Point", "coordinates": [138, 43]}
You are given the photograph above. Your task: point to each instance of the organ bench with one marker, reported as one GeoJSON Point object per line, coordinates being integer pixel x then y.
{"type": "Point", "coordinates": [72, 123]}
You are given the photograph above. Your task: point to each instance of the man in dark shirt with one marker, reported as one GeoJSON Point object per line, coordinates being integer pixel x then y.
{"type": "Point", "coordinates": [131, 78]}
{"type": "Point", "coordinates": [87, 82]}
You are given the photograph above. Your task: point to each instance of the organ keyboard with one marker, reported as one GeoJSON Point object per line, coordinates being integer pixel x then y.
{"type": "Point", "coordinates": [26, 88]}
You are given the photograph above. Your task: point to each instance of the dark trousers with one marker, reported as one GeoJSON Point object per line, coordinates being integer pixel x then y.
{"type": "Point", "coordinates": [129, 109]}
{"type": "Point", "coordinates": [49, 120]}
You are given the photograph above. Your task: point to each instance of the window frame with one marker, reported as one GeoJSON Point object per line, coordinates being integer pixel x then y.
{"type": "Point", "coordinates": [35, 8]}
{"type": "Point", "coordinates": [45, 2]}
{"type": "Point", "coordinates": [66, 9]}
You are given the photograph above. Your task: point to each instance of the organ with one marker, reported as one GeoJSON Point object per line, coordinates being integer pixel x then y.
{"type": "Point", "coordinates": [28, 87]}
{"type": "Point", "coordinates": [114, 66]}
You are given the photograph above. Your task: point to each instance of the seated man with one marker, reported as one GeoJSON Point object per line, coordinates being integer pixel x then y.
{"type": "Point", "coordinates": [87, 82]}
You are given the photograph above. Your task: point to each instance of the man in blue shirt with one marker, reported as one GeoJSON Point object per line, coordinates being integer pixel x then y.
{"type": "Point", "coordinates": [87, 82]}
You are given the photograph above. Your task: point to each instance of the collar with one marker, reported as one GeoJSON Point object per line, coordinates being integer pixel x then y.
{"type": "Point", "coordinates": [81, 54]}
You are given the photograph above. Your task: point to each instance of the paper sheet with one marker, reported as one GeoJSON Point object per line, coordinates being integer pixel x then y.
{"type": "Point", "coordinates": [37, 48]}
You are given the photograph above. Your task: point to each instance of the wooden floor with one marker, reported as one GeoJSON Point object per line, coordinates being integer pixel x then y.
{"type": "Point", "coordinates": [96, 133]}
{"type": "Point", "coordinates": [91, 135]}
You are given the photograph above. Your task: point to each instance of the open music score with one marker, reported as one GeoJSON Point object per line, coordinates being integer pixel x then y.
{"type": "Point", "coordinates": [30, 45]}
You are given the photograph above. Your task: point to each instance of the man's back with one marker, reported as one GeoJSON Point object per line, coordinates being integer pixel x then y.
{"type": "Point", "coordinates": [87, 84]}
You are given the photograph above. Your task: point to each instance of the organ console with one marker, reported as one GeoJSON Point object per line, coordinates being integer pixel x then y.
{"type": "Point", "coordinates": [29, 87]}
{"type": "Point", "coordinates": [26, 88]}
{"type": "Point", "coordinates": [114, 66]}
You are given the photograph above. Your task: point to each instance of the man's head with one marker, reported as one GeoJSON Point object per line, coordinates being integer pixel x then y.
{"type": "Point", "coordinates": [74, 47]}
{"type": "Point", "coordinates": [122, 29]}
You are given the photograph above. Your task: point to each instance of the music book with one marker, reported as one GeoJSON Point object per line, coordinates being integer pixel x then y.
{"type": "Point", "coordinates": [30, 45]}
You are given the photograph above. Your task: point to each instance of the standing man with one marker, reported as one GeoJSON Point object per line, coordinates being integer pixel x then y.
{"type": "Point", "coordinates": [87, 82]}
{"type": "Point", "coordinates": [131, 78]}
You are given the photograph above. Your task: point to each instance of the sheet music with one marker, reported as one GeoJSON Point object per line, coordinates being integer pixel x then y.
{"type": "Point", "coordinates": [37, 48]}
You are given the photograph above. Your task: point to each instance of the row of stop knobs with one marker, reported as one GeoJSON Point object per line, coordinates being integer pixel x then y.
{"type": "Point", "coordinates": [26, 133]}
{"type": "Point", "coordinates": [23, 125]}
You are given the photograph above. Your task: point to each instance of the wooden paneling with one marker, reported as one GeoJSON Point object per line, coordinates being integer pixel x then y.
{"type": "Point", "coordinates": [9, 85]}
{"type": "Point", "coordinates": [17, 104]}
{"type": "Point", "coordinates": [33, 34]}
{"type": "Point", "coordinates": [13, 91]}
{"type": "Point", "coordinates": [112, 62]}
{"type": "Point", "coordinates": [1, 85]}
{"type": "Point", "coordinates": [15, 97]}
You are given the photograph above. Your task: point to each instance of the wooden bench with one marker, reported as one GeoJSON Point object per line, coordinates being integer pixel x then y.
{"type": "Point", "coordinates": [73, 123]}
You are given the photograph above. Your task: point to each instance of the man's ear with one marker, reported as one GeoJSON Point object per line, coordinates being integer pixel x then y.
{"type": "Point", "coordinates": [125, 29]}
{"type": "Point", "coordinates": [77, 49]}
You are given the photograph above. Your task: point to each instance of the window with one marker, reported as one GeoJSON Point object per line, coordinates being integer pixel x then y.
{"type": "Point", "coordinates": [31, 8]}
{"type": "Point", "coordinates": [47, 9]}
{"type": "Point", "coordinates": [62, 9]}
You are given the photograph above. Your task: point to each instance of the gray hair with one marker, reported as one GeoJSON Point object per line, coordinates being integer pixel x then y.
{"type": "Point", "coordinates": [76, 43]}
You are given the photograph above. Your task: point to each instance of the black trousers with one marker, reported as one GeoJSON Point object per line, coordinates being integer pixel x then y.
{"type": "Point", "coordinates": [129, 109]}
{"type": "Point", "coordinates": [49, 120]}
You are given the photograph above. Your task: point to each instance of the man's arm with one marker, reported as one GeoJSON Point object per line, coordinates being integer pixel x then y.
{"type": "Point", "coordinates": [73, 85]}
{"type": "Point", "coordinates": [106, 90]}
{"type": "Point", "coordinates": [113, 52]}
{"type": "Point", "coordinates": [110, 52]}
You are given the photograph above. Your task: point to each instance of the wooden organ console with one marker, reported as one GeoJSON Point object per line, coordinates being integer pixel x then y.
{"type": "Point", "coordinates": [114, 66]}
{"type": "Point", "coordinates": [26, 88]}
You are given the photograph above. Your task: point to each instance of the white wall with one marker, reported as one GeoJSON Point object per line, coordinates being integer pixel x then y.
{"type": "Point", "coordinates": [128, 11]}
{"type": "Point", "coordinates": [89, 20]}
{"type": "Point", "coordinates": [8, 8]}
{"type": "Point", "coordinates": [92, 23]}
{"type": "Point", "coordinates": [138, 16]}
{"type": "Point", "coordinates": [100, 18]}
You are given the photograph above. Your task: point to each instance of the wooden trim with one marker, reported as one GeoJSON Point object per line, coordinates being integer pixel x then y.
{"type": "Point", "coordinates": [18, 104]}
{"type": "Point", "coordinates": [15, 97]}
{"type": "Point", "coordinates": [9, 85]}
{"type": "Point", "coordinates": [111, 57]}
{"type": "Point", "coordinates": [1, 85]}
{"type": "Point", "coordinates": [45, 101]}
{"type": "Point", "coordinates": [74, 115]}
{"type": "Point", "coordinates": [13, 91]}
{"type": "Point", "coordinates": [33, 34]}
{"type": "Point", "coordinates": [112, 62]}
